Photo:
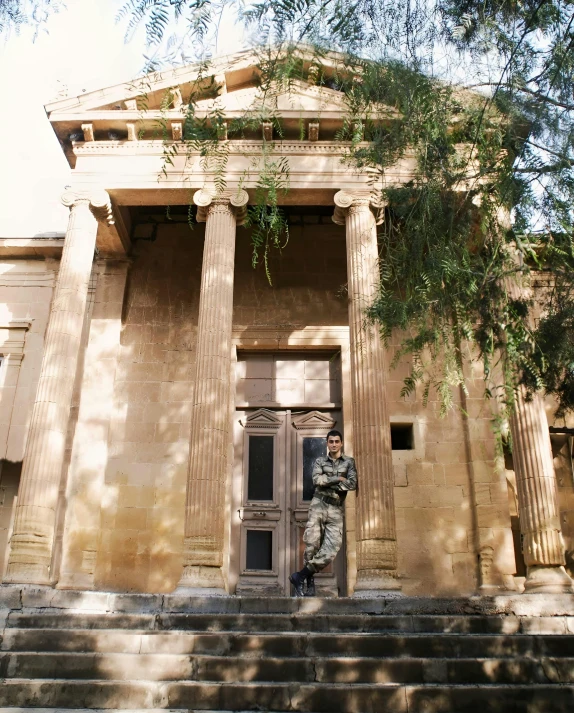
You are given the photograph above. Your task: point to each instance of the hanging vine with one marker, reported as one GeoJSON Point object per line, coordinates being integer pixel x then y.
{"type": "Point", "coordinates": [447, 258]}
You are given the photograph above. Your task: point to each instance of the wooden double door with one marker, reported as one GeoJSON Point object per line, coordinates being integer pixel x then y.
{"type": "Point", "coordinates": [272, 489]}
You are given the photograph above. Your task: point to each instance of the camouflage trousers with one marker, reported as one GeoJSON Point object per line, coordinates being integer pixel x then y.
{"type": "Point", "coordinates": [323, 534]}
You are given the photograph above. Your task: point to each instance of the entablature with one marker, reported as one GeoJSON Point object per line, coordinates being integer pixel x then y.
{"type": "Point", "coordinates": [125, 169]}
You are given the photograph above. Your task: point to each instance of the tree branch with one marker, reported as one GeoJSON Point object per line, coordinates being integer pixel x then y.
{"type": "Point", "coordinates": [551, 168]}
{"type": "Point", "coordinates": [536, 94]}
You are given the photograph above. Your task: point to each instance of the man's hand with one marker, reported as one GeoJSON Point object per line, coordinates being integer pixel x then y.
{"type": "Point", "coordinates": [342, 480]}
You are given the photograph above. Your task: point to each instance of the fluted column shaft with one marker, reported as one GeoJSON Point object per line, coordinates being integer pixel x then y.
{"type": "Point", "coordinates": [538, 511]}
{"type": "Point", "coordinates": [208, 458]}
{"type": "Point", "coordinates": [34, 523]}
{"type": "Point", "coordinates": [539, 514]}
{"type": "Point", "coordinates": [376, 530]}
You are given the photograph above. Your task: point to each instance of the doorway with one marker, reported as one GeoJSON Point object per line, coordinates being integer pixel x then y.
{"type": "Point", "coordinates": [275, 448]}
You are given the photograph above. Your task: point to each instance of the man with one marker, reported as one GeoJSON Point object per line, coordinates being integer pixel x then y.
{"type": "Point", "coordinates": [333, 476]}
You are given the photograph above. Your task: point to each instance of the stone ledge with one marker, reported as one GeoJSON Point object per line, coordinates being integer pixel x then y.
{"type": "Point", "coordinates": [31, 247]}
{"type": "Point", "coordinates": [19, 598]}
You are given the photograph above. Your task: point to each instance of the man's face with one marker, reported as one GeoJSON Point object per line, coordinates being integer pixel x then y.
{"type": "Point", "coordinates": [334, 444]}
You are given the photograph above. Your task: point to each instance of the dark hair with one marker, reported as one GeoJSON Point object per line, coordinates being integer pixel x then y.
{"type": "Point", "coordinates": [335, 433]}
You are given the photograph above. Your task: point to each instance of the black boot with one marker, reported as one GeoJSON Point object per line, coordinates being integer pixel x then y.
{"type": "Point", "coordinates": [311, 592]}
{"type": "Point", "coordinates": [297, 579]}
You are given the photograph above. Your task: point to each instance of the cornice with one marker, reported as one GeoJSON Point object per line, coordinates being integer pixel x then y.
{"type": "Point", "coordinates": [31, 247]}
{"type": "Point", "coordinates": [16, 324]}
{"type": "Point", "coordinates": [236, 148]}
{"type": "Point", "coordinates": [12, 338]}
{"type": "Point", "coordinates": [28, 279]}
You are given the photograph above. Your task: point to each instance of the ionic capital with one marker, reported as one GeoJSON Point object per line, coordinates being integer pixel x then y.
{"type": "Point", "coordinates": [98, 202]}
{"type": "Point", "coordinates": [234, 202]}
{"type": "Point", "coordinates": [347, 203]}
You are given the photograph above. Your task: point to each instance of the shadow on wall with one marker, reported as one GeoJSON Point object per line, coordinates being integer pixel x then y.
{"type": "Point", "coordinates": [9, 484]}
{"type": "Point", "coordinates": [562, 446]}
{"type": "Point", "coordinates": [435, 539]}
{"type": "Point", "coordinates": [143, 502]}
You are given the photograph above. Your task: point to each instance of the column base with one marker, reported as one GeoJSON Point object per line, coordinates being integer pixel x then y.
{"type": "Point", "coordinates": [199, 580]}
{"type": "Point", "coordinates": [494, 589]}
{"type": "Point", "coordinates": [553, 580]}
{"type": "Point", "coordinates": [377, 583]}
{"type": "Point", "coordinates": [27, 574]}
{"type": "Point", "coordinates": [81, 582]}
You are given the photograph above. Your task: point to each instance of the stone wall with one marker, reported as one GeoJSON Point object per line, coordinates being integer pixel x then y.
{"type": "Point", "coordinates": [145, 479]}
{"type": "Point", "coordinates": [308, 280]}
{"type": "Point", "coordinates": [450, 495]}
{"type": "Point", "coordinates": [143, 503]}
{"type": "Point", "coordinates": [562, 451]}
{"type": "Point", "coordinates": [9, 482]}
{"type": "Point", "coordinates": [435, 525]}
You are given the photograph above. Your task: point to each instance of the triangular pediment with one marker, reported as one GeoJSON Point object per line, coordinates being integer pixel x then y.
{"type": "Point", "coordinates": [154, 86]}
{"type": "Point", "coordinates": [299, 97]}
{"type": "Point", "coordinates": [155, 107]}
{"type": "Point", "coordinates": [231, 82]}
{"type": "Point", "coordinates": [263, 418]}
{"type": "Point", "coordinates": [313, 420]}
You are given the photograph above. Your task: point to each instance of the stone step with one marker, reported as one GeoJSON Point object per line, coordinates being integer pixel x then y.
{"type": "Point", "coordinates": [19, 709]}
{"type": "Point", "coordinates": [290, 644]}
{"type": "Point", "coordinates": [22, 597]}
{"type": "Point", "coordinates": [317, 697]}
{"type": "Point", "coordinates": [44, 619]}
{"type": "Point", "coordinates": [171, 667]}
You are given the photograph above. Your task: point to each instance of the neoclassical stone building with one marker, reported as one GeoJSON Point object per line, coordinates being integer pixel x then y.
{"type": "Point", "coordinates": [162, 403]}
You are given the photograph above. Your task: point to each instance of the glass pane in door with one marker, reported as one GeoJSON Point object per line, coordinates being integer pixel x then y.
{"type": "Point", "coordinates": [259, 554]}
{"type": "Point", "coordinates": [313, 448]}
{"type": "Point", "coordinates": [260, 472]}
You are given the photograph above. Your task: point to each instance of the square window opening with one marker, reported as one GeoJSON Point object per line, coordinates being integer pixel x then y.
{"type": "Point", "coordinates": [402, 437]}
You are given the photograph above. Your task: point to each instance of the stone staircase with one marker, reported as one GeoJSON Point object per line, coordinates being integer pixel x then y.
{"type": "Point", "coordinates": [72, 651]}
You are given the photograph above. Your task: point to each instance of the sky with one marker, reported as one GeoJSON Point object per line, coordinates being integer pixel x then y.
{"type": "Point", "coordinates": [83, 49]}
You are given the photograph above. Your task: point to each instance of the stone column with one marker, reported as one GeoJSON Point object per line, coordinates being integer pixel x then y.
{"type": "Point", "coordinates": [538, 512]}
{"type": "Point", "coordinates": [208, 456]}
{"type": "Point", "coordinates": [539, 516]}
{"type": "Point", "coordinates": [86, 479]}
{"type": "Point", "coordinates": [34, 523]}
{"type": "Point", "coordinates": [375, 526]}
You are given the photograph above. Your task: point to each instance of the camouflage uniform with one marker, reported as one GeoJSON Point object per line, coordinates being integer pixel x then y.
{"type": "Point", "coordinates": [323, 534]}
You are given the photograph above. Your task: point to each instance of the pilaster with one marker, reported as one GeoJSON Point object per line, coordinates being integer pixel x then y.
{"type": "Point", "coordinates": [34, 523]}
{"type": "Point", "coordinates": [488, 491]}
{"type": "Point", "coordinates": [209, 448]}
{"type": "Point", "coordinates": [375, 513]}
{"type": "Point", "coordinates": [12, 338]}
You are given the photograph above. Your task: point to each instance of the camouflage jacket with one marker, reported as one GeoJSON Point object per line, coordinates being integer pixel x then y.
{"type": "Point", "coordinates": [326, 474]}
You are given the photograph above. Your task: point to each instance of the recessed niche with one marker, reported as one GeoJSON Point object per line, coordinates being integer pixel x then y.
{"type": "Point", "coordinates": [402, 437]}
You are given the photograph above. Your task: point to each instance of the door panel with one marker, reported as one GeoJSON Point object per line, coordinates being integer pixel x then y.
{"type": "Point", "coordinates": [259, 503]}
{"type": "Point", "coordinates": [272, 490]}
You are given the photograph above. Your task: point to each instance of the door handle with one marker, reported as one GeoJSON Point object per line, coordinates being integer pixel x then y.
{"type": "Point", "coordinates": [260, 513]}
